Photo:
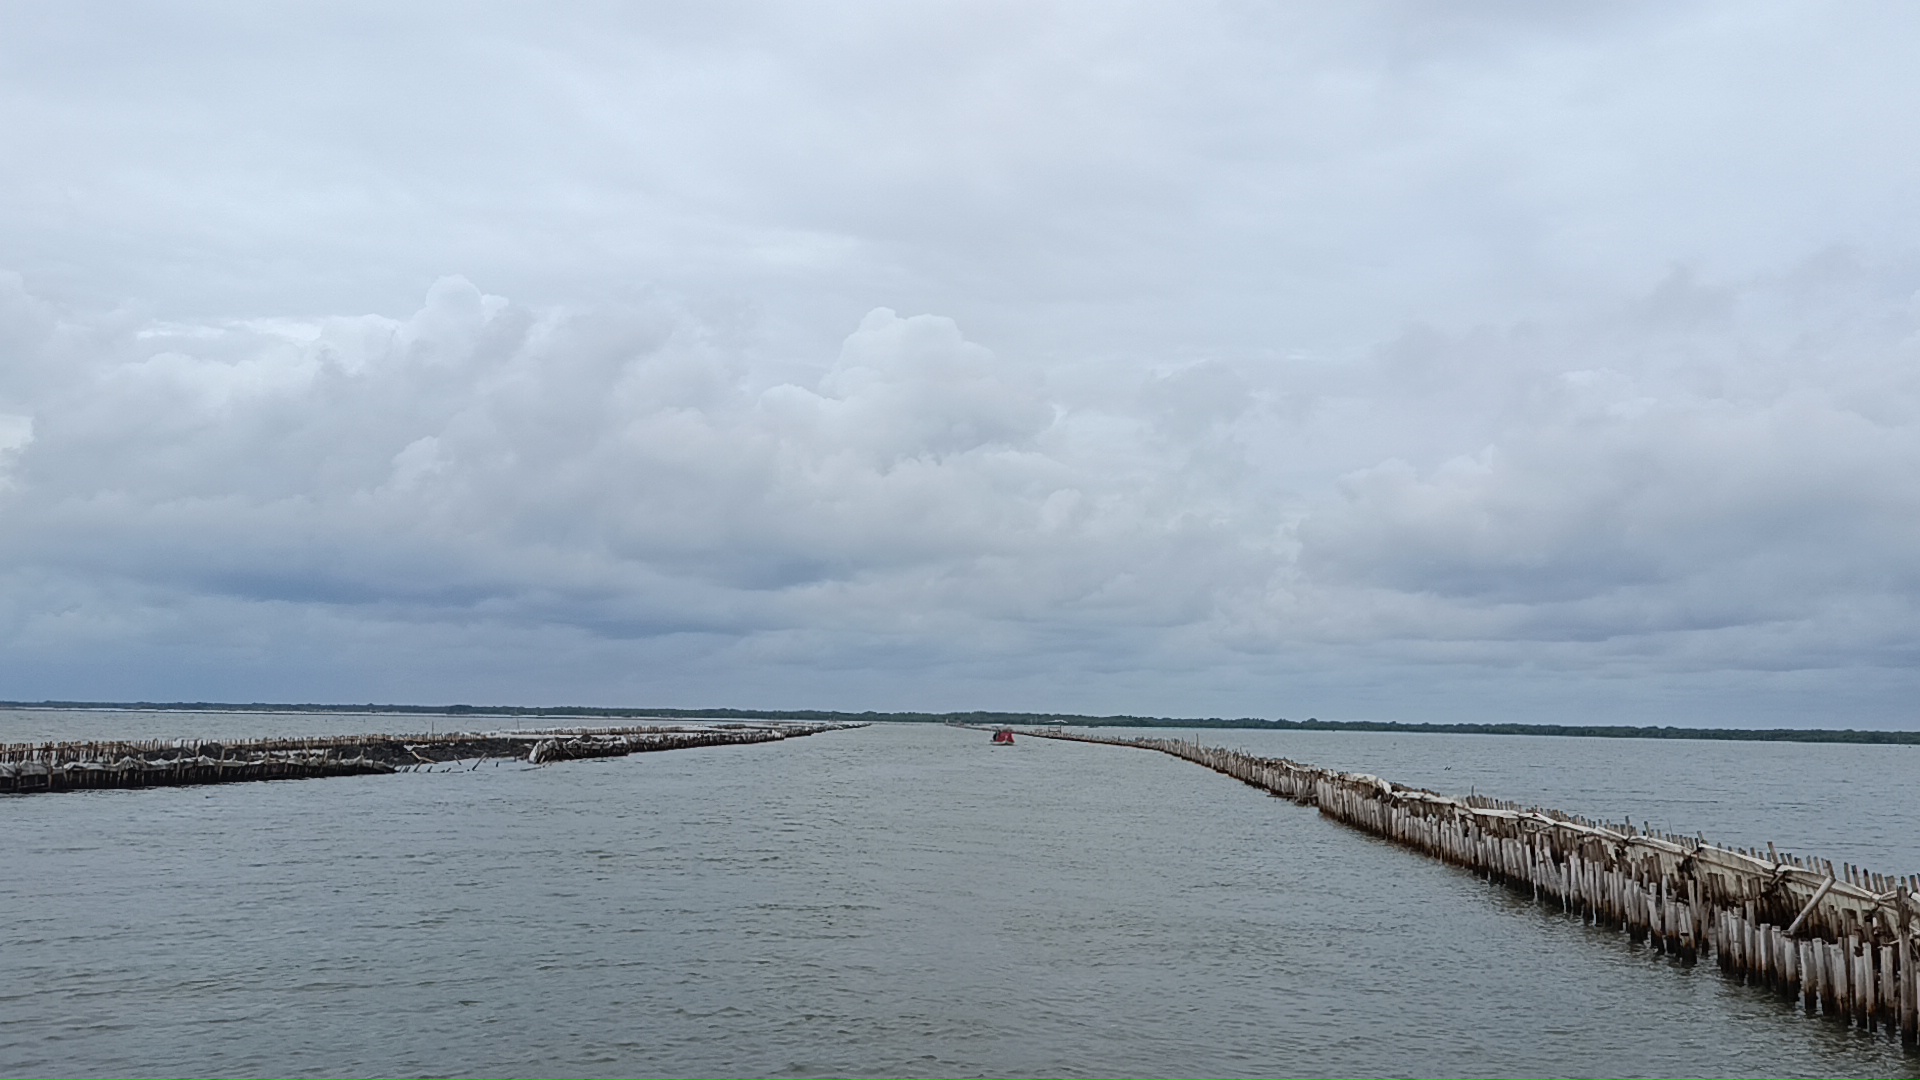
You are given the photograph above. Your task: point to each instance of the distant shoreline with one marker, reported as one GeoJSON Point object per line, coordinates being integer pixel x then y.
{"type": "Point", "coordinates": [1594, 731]}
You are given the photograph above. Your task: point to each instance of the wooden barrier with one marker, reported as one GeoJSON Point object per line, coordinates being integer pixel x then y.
{"type": "Point", "coordinates": [78, 766]}
{"type": "Point", "coordinates": [1839, 939]}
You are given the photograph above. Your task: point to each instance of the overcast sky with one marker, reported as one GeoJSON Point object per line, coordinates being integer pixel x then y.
{"type": "Point", "coordinates": [1501, 361]}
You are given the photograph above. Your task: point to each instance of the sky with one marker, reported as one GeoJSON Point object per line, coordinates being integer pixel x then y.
{"type": "Point", "coordinates": [1503, 362]}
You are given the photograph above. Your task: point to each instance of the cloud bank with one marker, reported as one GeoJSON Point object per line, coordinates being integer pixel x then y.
{"type": "Point", "coordinates": [1711, 479]}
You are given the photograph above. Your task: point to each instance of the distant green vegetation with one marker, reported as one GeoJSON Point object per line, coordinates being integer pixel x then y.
{"type": "Point", "coordinates": [580, 712]}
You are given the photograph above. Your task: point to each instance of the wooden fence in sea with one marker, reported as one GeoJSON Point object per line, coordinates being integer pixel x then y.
{"type": "Point", "coordinates": [1839, 939]}
{"type": "Point", "coordinates": [77, 766]}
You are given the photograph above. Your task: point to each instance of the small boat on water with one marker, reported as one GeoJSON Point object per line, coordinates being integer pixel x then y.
{"type": "Point", "coordinates": [1003, 737]}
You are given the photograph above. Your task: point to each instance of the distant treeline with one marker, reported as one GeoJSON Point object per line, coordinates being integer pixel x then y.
{"type": "Point", "coordinates": [1801, 735]}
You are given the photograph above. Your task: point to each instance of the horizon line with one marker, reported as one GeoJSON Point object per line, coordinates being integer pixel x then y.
{"type": "Point", "coordinates": [1615, 731]}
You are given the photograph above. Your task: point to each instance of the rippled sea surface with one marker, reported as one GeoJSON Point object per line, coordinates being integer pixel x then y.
{"type": "Point", "coordinates": [896, 900]}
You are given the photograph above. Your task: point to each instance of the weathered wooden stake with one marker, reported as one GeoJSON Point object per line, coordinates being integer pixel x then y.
{"type": "Point", "coordinates": [1846, 943]}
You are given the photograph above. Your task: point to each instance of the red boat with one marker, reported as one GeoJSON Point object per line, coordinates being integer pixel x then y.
{"type": "Point", "coordinates": [1003, 737]}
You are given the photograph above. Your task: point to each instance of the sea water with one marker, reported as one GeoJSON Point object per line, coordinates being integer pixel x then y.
{"type": "Point", "coordinates": [896, 900]}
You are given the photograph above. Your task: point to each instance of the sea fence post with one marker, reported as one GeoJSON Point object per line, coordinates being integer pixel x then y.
{"type": "Point", "coordinates": [1839, 942]}
{"type": "Point", "coordinates": [87, 764]}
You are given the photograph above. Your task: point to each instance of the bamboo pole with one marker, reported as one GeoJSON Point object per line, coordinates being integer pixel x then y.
{"type": "Point", "coordinates": [1840, 939]}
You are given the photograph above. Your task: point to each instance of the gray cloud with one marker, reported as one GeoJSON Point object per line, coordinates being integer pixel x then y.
{"type": "Point", "coordinates": [1730, 493]}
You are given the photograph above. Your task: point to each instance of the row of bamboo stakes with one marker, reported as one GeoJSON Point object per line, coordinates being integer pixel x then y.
{"type": "Point", "coordinates": [1841, 940]}
{"type": "Point", "coordinates": [83, 765]}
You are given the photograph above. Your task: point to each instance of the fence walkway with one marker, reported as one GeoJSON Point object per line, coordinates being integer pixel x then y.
{"type": "Point", "coordinates": [1840, 939]}
{"type": "Point", "coordinates": [74, 766]}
